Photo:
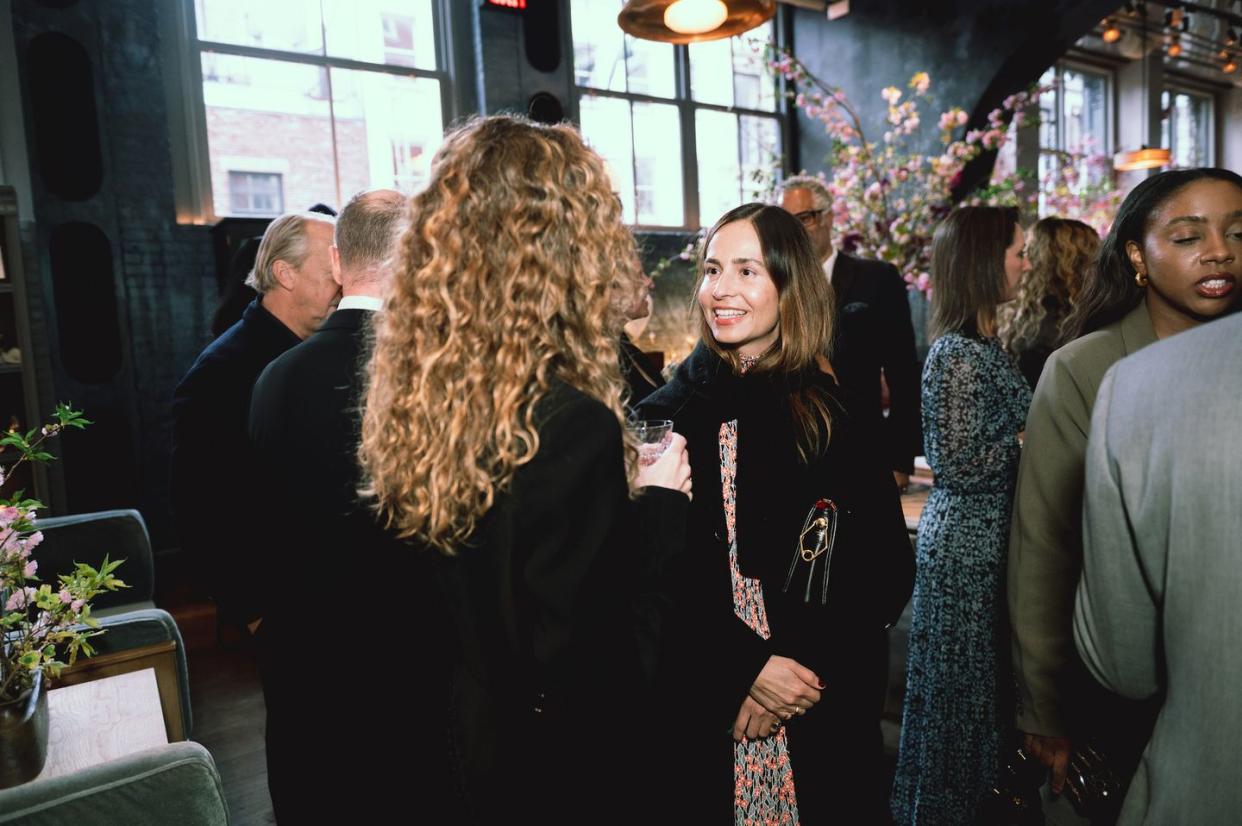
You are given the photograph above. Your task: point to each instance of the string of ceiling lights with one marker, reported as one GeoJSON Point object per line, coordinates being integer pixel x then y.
{"type": "Point", "coordinates": [1220, 51]}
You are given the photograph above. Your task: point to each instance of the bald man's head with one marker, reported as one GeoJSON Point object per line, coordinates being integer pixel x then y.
{"type": "Point", "coordinates": [366, 235]}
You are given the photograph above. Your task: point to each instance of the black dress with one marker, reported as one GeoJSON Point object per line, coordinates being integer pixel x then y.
{"type": "Point", "coordinates": [713, 655]}
{"type": "Point", "coordinates": [556, 607]}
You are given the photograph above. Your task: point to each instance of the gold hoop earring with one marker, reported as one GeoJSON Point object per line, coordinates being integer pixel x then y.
{"type": "Point", "coordinates": [1141, 279]}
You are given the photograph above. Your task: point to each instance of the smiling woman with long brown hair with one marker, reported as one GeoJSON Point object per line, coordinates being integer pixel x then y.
{"type": "Point", "coordinates": [492, 434]}
{"type": "Point", "coordinates": [795, 562]}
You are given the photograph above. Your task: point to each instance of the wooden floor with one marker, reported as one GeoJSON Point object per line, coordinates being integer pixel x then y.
{"type": "Point", "coordinates": [227, 704]}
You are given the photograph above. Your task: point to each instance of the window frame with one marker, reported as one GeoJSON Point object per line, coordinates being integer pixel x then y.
{"type": "Point", "coordinates": [1110, 96]}
{"type": "Point", "coordinates": [187, 114]}
{"type": "Point", "coordinates": [1175, 85]}
{"type": "Point", "coordinates": [687, 107]}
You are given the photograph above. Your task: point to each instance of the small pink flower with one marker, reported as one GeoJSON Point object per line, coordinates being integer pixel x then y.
{"type": "Point", "coordinates": [33, 540]}
{"type": "Point", "coordinates": [920, 82]}
{"type": "Point", "coordinates": [16, 600]}
{"type": "Point", "coordinates": [77, 604]}
{"type": "Point", "coordinates": [30, 568]}
{"type": "Point", "coordinates": [891, 94]}
{"type": "Point", "coordinates": [65, 596]}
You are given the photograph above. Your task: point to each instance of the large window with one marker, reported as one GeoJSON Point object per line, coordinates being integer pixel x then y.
{"type": "Point", "coordinates": [688, 132]}
{"type": "Point", "coordinates": [1186, 127]}
{"type": "Point", "coordinates": [1074, 121]}
{"type": "Point", "coordinates": [310, 101]}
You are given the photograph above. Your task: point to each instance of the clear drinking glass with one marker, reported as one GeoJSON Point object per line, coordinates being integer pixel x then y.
{"type": "Point", "coordinates": [654, 436]}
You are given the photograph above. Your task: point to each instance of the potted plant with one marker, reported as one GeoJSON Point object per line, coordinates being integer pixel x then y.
{"type": "Point", "coordinates": [43, 627]}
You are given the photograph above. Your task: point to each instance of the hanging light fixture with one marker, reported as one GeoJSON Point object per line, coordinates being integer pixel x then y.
{"type": "Point", "coordinates": [1230, 66]}
{"type": "Point", "coordinates": [1145, 157]}
{"type": "Point", "coordinates": [693, 21]}
{"type": "Point", "coordinates": [1111, 32]}
{"type": "Point", "coordinates": [695, 16]}
{"type": "Point", "coordinates": [1175, 47]}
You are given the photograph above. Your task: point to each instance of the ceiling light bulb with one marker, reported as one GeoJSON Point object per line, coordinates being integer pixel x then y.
{"type": "Point", "coordinates": [1111, 33]}
{"type": "Point", "coordinates": [1175, 49]}
{"type": "Point", "coordinates": [1230, 67]}
{"type": "Point", "coordinates": [695, 16]}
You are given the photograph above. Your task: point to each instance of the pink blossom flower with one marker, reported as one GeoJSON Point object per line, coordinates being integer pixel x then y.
{"type": "Point", "coordinates": [64, 596]}
{"type": "Point", "coordinates": [31, 567]}
{"type": "Point", "coordinates": [33, 540]}
{"type": "Point", "coordinates": [920, 82]}
{"type": "Point", "coordinates": [77, 604]}
{"type": "Point", "coordinates": [891, 94]}
{"type": "Point", "coordinates": [17, 599]}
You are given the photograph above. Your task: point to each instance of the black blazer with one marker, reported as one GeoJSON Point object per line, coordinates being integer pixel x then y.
{"type": "Point", "coordinates": [711, 654]}
{"type": "Point", "coordinates": [210, 459]}
{"type": "Point", "coordinates": [642, 378]}
{"type": "Point", "coordinates": [341, 598]}
{"type": "Point", "coordinates": [874, 333]}
{"type": "Point", "coordinates": [557, 605]}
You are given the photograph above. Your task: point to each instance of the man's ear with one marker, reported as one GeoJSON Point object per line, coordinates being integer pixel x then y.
{"type": "Point", "coordinates": [335, 253]}
{"type": "Point", "coordinates": [284, 274]}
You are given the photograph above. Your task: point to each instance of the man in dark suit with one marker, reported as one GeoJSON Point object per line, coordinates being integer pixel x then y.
{"type": "Point", "coordinates": [336, 587]}
{"type": "Point", "coordinates": [293, 276]}
{"type": "Point", "coordinates": [874, 334]}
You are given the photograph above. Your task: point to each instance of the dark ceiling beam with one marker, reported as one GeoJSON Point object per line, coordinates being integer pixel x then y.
{"type": "Point", "coordinates": [1051, 28]}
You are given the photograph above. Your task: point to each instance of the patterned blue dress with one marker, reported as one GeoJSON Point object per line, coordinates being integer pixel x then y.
{"type": "Point", "coordinates": [974, 405]}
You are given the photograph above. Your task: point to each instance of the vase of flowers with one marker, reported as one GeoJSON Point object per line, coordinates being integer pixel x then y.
{"type": "Point", "coordinates": [43, 628]}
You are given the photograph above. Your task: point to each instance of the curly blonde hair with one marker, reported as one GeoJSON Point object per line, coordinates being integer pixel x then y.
{"type": "Point", "coordinates": [1060, 251]}
{"type": "Point", "coordinates": [506, 280]}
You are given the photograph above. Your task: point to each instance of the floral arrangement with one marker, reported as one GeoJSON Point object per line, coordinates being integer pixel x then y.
{"type": "Point", "coordinates": [888, 198]}
{"type": "Point", "coordinates": [42, 627]}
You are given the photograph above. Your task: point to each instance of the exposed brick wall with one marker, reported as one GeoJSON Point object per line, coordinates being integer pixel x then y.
{"type": "Point", "coordinates": [310, 177]}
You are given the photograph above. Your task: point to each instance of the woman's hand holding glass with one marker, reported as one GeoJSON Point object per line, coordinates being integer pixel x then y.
{"type": "Point", "coordinates": [671, 470]}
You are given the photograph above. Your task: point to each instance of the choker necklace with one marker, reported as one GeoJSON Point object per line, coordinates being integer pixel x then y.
{"type": "Point", "coordinates": [748, 362]}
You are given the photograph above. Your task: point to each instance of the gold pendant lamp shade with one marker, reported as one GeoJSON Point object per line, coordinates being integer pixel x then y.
{"type": "Point", "coordinates": [1145, 158]}
{"type": "Point", "coordinates": [693, 21]}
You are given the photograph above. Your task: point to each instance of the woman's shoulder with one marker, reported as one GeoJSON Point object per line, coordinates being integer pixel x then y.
{"type": "Point", "coordinates": [1089, 356]}
{"type": "Point", "coordinates": [959, 346]}
{"type": "Point", "coordinates": [564, 405]}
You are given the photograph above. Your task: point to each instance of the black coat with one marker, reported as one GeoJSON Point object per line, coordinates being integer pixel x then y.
{"type": "Point", "coordinates": [211, 470]}
{"type": "Point", "coordinates": [874, 334]}
{"type": "Point", "coordinates": [642, 378]}
{"type": "Point", "coordinates": [557, 609]}
{"type": "Point", "coordinates": [351, 648]}
{"type": "Point", "coordinates": [712, 655]}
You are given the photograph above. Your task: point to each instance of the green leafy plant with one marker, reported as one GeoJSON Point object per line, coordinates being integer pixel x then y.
{"type": "Point", "coordinates": [43, 627]}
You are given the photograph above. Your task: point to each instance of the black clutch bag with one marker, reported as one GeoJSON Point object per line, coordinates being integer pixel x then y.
{"type": "Point", "coordinates": [812, 559]}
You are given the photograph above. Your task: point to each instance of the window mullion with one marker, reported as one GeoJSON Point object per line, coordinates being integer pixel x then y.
{"type": "Point", "coordinates": [689, 147]}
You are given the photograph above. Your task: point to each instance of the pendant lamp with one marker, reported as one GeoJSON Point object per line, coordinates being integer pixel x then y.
{"type": "Point", "coordinates": [693, 21]}
{"type": "Point", "coordinates": [1144, 158]}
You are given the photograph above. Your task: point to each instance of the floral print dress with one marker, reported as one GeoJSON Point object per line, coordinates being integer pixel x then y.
{"type": "Point", "coordinates": [974, 404]}
{"type": "Point", "coordinates": [763, 785]}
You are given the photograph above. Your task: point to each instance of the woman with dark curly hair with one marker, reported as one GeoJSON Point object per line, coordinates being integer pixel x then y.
{"type": "Point", "coordinates": [492, 435]}
{"type": "Point", "coordinates": [1172, 261]}
{"type": "Point", "coordinates": [1060, 251]}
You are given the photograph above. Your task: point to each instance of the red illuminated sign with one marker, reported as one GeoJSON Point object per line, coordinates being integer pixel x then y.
{"type": "Point", "coordinates": [516, 5]}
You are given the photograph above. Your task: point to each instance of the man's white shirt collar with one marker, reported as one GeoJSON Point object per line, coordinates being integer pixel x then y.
{"type": "Point", "coordinates": [360, 302]}
{"type": "Point", "coordinates": [830, 264]}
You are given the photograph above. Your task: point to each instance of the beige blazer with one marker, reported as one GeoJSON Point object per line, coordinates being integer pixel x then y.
{"type": "Point", "coordinates": [1045, 539]}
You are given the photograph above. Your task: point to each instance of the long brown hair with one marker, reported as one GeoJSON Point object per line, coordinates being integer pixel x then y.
{"type": "Point", "coordinates": [968, 268]}
{"type": "Point", "coordinates": [505, 282]}
{"type": "Point", "coordinates": [806, 310]}
{"type": "Point", "coordinates": [1060, 250]}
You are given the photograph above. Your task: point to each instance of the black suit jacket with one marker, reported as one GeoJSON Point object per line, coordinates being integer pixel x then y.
{"type": "Point", "coordinates": [212, 501]}
{"type": "Point", "coordinates": [712, 655]}
{"type": "Point", "coordinates": [557, 602]}
{"type": "Point", "coordinates": [874, 334]}
{"type": "Point", "coordinates": [349, 611]}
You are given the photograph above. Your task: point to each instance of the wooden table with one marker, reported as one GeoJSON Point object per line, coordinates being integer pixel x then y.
{"type": "Point", "coordinates": [102, 720]}
{"type": "Point", "coordinates": [914, 499]}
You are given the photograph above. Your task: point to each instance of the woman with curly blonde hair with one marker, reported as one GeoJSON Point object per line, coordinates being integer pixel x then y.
{"type": "Point", "coordinates": [492, 435]}
{"type": "Point", "coordinates": [1060, 251]}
